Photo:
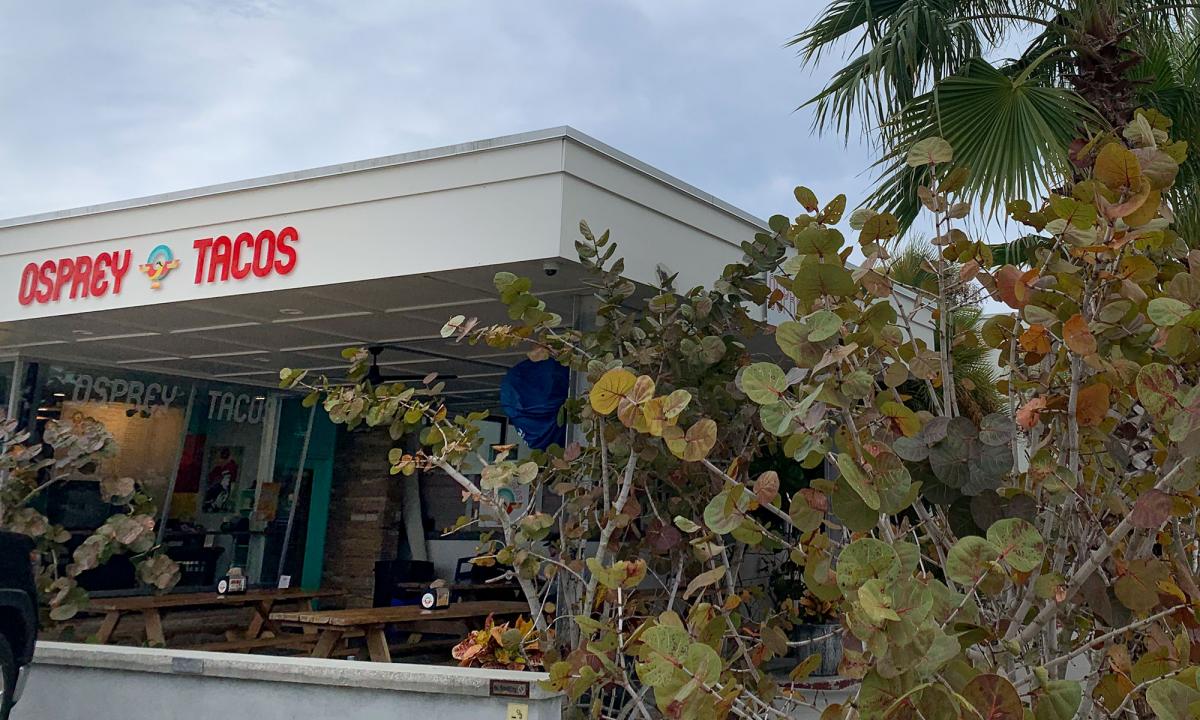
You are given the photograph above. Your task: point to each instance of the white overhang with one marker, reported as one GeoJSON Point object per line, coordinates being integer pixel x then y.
{"type": "Point", "coordinates": [385, 251]}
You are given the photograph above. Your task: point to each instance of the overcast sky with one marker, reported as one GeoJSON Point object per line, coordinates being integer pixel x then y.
{"type": "Point", "coordinates": [111, 100]}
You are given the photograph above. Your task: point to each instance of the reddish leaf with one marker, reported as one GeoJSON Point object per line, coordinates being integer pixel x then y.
{"type": "Point", "coordinates": [1152, 509]}
{"type": "Point", "coordinates": [766, 487]}
{"type": "Point", "coordinates": [994, 698]}
{"type": "Point", "coordinates": [1030, 412]}
{"type": "Point", "coordinates": [1078, 337]}
{"type": "Point", "coordinates": [1006, 279]}
{"type": "Point", "coordinates": [816, 499]}
{"type": "Point", "coordinates": [1035, 340]}
{"type": "Point", "coordinates": [1092, 404]}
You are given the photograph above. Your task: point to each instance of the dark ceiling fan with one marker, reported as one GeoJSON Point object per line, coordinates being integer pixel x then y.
{"type": "Point", "coordinates": [375, 374]}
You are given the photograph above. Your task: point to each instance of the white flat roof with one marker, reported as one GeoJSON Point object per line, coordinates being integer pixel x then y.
{"type": "Point", "coordinates": [533, 136]}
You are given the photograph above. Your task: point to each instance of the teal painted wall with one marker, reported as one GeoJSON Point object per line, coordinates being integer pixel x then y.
{"type": "Point", "coordinates": [292, 422]}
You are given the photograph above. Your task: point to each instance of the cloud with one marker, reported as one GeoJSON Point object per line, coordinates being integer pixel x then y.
{"type": "Point", "coordinates": [120, 99]}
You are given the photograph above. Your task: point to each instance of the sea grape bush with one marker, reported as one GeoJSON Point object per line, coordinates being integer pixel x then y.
{"type": "Point", "coordinates": [1036, 562]}
{"type": "Point", "coordinates": [29, 471]}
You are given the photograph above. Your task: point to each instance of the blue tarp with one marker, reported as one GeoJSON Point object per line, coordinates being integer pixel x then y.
{"type": "Point", "coordinates": [531, 395]}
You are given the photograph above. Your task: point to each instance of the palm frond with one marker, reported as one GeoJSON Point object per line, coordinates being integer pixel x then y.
{"type": "Point", "coordinates": [910, 266]}
{"type": "Point", "coordinates": [1169, 81]}
{"type": "Point", "coordinates": [1013, 133]}
{"type": "Point", "coordinates": [906, 46]}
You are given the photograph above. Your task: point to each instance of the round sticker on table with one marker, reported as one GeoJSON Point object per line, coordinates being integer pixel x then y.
{"type": "Point", "coordinates": [427, 600]}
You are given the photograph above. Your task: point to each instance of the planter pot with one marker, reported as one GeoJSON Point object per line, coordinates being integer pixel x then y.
{"type": "Point", "coordinates": [829, 645]}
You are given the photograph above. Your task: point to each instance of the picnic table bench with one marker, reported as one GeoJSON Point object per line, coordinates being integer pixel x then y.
{"type": "Point", "coordinates": [151, 608]}
{"type": "Point", "coordinates": [334, 625]}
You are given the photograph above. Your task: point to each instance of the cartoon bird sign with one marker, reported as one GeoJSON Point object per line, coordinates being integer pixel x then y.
{"type": "Point", "coordinates": [158, 265]}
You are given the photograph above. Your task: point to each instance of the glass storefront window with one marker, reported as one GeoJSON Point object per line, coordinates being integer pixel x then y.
{"type": "Point", "coordinates": [204, 451]}
{"type": "Point", "coordinates": [145, 415]}
{"type": "Point", "coordinates": [7, 370]}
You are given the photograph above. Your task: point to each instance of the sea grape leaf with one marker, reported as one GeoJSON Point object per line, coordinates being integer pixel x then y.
{"type": "Point", "coordinates": [1058, 700]}
{"type": "Point", "coordinates": [610, 388]}
{"type": "Point", "coordinates": [866, 559]}
{"type": "Point", "coordinates": [994, 698]}
{"type": "Point", "coordinates": [1157, 389]}
{"type": "Point", "coordinates": [970, 559]}
{"type": "Point", "coordinates": [1137, 589]}
{"type": "Point", "coordinates": [1019, 542]}
{"type": "Point", "coordinates": [1171, 699]}
{"type": "Point", "coordinates": [763, 382]}
{"type": "Point", "coordinates": [1151, 510]}
{"type": "Point", "coordinates": [930, 151]}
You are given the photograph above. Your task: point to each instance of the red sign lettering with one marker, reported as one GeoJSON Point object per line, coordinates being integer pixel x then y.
{"type": "Point", "coordinates": [219, 259]}
{"type": "Point", "coordinates": [74, 277]}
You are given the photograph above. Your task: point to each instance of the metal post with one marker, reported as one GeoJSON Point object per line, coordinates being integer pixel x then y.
{"type": "Point", "coordinates": [287, 534]}
{"type": "Point", "coordinates": [166, 508]}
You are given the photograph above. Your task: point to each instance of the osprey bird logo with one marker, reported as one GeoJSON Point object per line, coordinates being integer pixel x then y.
{"type": "Point", "coordinates": [161, 262]}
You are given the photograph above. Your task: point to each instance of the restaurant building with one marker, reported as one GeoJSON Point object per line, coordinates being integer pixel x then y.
{"type": "Point", "coordinates": [168, 318]}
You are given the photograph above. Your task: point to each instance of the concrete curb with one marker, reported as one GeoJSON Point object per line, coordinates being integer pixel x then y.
{"type": "Point", "coordinates": [436, 679]}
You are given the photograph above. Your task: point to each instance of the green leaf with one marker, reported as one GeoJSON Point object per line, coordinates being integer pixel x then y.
{"type": "Point", "coordinates": [849, 507]}
{"type": "Point", "coordinates": [764, 383]}
{"type": "Point", "coordinates": [882, 226]}
{"type": "Point", "coordinates": [817, 279]}
{"type": "Point", "coordinates": [1020, 544]}
{"type": "Point", "coordinates": [1137, 589]}
{"type": "Point", "coordinates": [703, 580]}
{"type": "Point", "coordinates": [1058, 700]}
{"type": "Point", "coordinates": [792, 338]}
{"type": "Point", "coordinates": [452, 325]}
{"type": "Point", "coordinates": [1158, 389]}
{"type": "Point", "coordinates": [858, 384]}
{"type": "Point", "coordinates": [726, 511]}
{"type": "Point", "coordinates": [832, 212]}
{"type": "Point", "coordinates": [823, 325]}
{"type": "Point", "coordinates": [970, 559]}
{"type": "Point", "coordinates": [875, 601]}
{"type": "Point", "coordinates": [862, 484]}
{"type": "Point", "coordinates": [676, 403]}
{"type": "Point", "coordinates": [1171, 699]}
{"type": "Point", "coordinates": [930, 151]}
{"type": "Point", "coordinates": [807, 199]}
{"type": "Point", "coordinates": [866, 559]}
{"type": "Point", "coordinates": [685, 525]}
{"type": "Point", "coordinates": [859, 217]}
{"type": "Point", "coordinates": [1166, 312]}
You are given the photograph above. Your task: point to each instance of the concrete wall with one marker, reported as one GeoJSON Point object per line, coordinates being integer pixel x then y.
{"type": "Point", "coordinates": [88, 682]}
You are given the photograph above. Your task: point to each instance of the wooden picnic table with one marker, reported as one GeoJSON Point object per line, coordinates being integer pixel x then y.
{"type": "Point", "coordinates": [333, 625]}
{"type": "Point", "coordinates": [152, 607]}
{"type": "Point", "coordinates": [462, 588]}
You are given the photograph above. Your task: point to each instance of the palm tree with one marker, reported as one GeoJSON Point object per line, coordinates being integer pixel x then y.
{"type": "Point", "coordinates": [920, 68]}
{"type": "Point", "coordinates": [972, 362]}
